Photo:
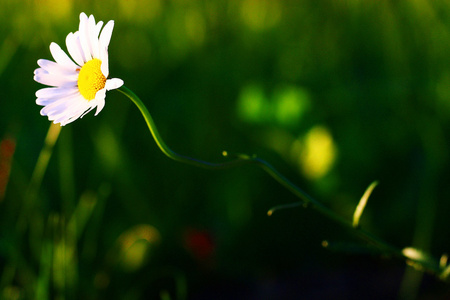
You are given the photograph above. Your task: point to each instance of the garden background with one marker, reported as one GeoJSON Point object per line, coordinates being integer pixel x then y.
{"type": "Point", "coordinates": [334, 94]}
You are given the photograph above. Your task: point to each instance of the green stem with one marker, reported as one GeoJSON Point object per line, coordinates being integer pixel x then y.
{"type": "Point", "coordinates": [214, 166]}
{"type": "Point", "coordinates": [38, 174]}
{"type": "Point", "coordinates": [243, 160]}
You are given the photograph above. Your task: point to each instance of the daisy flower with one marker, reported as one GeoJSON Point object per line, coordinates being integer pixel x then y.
{"type": "Point", "coordinates": [77, 86]}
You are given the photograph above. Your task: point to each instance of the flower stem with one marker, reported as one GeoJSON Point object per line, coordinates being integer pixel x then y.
{"type": "Point", "coordinates": [38, 174]}
{"type": "Point", "coordinates": [307, 200]}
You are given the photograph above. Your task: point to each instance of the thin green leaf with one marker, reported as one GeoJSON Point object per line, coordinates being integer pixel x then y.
{"type": "Point", "coordinates": [362, 204]}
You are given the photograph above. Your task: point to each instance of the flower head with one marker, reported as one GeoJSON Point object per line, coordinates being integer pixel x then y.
{"type": "Point", "coordinates": [78, 85]}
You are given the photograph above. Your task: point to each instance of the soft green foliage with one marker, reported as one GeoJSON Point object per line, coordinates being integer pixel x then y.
{"type": "Point", "coordinates": [364, 83]}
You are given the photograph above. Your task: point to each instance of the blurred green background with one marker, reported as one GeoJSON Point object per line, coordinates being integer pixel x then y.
{"type": "Point", "coordinates": [335, 94]}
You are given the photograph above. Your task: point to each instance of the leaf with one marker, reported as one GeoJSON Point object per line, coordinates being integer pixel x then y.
{"type": "Point", "coordinates": [362, 204]}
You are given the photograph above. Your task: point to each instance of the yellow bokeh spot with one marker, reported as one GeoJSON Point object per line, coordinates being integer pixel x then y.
{"type": "Point", "coordinates": [260, 14]}
{"type": "Point", "coordinates": [195, 26]}
{"type": "Point", "coordinates": [135, 244]}
{"type": "Point", "coordinates": [58, 10]}
{"type": "Point", "coordinates": [318, 153]}
{"type": "Point", "coordinates": [91, 79]}
{"type": "Point", "coordinates": [140, 11]}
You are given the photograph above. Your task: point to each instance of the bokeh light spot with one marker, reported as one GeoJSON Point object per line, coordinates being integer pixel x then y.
{"type": "Point", "coordinates": [291, 105]}
{"type": "Point", "coordinates": [252, 104]}
{"type": "Point", "coordinates": [140, 11]}
{"type": "Point", "coordinates": [135, 244]}
{"type": "Point", "coordinates": [318, 154]}
{"type": "Point", "coordinates": [195, 26]}
{"type": "Point", "coordinates": [260, 14]}
{"type": "Point", "coordinates": [55, 9]}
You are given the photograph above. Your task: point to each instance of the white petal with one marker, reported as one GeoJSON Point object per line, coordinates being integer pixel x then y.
{"type": "Point", "coordinates": [93, 38]}
{"type": "Point", "coordinates": [100, 100]}
{"type": "Point", "coordinates": [57, 69]}
{"type": "Point", "coordinates": [105, 36]}
{"type": "Point", "coordinates": [57, 72]}
{"type": "Point", "coordinates": [69, 119]}
{"type": "Point", "coordinates": [49, 65]}
{"type": "Point", "coordinates": [63, 119]}
{"type": "Point", "coordinates": [83, 15]}
{"type": "Point", "coordinates": [81, 111]}
{"type": "Point", "coordinates": [100, 105]}
{"type": "Point", "coordinates": [84, 37]}
{"type": "Point", "coordinates": [54, 80]}
{"type": "Point", "coordinates": [87, 111]}
{"type": "Point", "coordinates": [78, 40]}
{"type": "Point", "coordinates": [45, 101]}
{"type": "Point", "coordinates": [48, 100]}
{"type": "Point", "coordinates": [83, 106]}
{"type": "Point", "coordinates": [104, 58]}
{"type": "Point", "coordinates": [74, 48]}
{"type": "Point", "coordinates": [78, 106]}
{"type": "Point", "coordinates": [60, 105]}
{"type": "Point", "coordinates": [40, 71]}
{"type": "Point", "coordinates": [61, 57]}
{"type": "Point", "coordinates": [74, 117]}
{"type": "Point", "coordinates": [98, 27]}
{"type": "Point", "coordinates": [54, 110]}
{"type": "Point", "coordinates": [55, 92]}
{"type": "Point", "coordinates": [113, 83]}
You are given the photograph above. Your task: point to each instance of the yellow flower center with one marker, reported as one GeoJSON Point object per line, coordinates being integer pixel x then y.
{"type": "Point", "coordinates": [91, 79]}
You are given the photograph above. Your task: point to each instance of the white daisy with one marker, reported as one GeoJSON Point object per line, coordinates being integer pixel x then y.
{"type": "Point", "coordinates": [80, 85]}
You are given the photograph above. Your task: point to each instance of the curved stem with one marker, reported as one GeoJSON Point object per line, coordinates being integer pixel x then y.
{"type": "Point", "coordinates": [214, 166]}
{"type": "Point", "coordinates": [243, 160]}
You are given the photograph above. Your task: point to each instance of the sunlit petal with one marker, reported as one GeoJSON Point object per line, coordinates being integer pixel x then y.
{"type": "Point", "coordinates": [84, 36]}
{"type": "Point", "coordinates": [74, 48]}
{"type": "Point", "coordinates": [61, 57]}
{"type": "Point", "coordinates": [105, 36]}
{"type": "Point", "coordinates": [76, 86]}
{"type": "Point", "coordinates": [113, 83]}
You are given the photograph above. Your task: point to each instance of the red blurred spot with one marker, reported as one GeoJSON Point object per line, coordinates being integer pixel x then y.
{"type": "Point", "coordinates": [7, 148]}
{"type": "Point", "coordinates": [200, 244]}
